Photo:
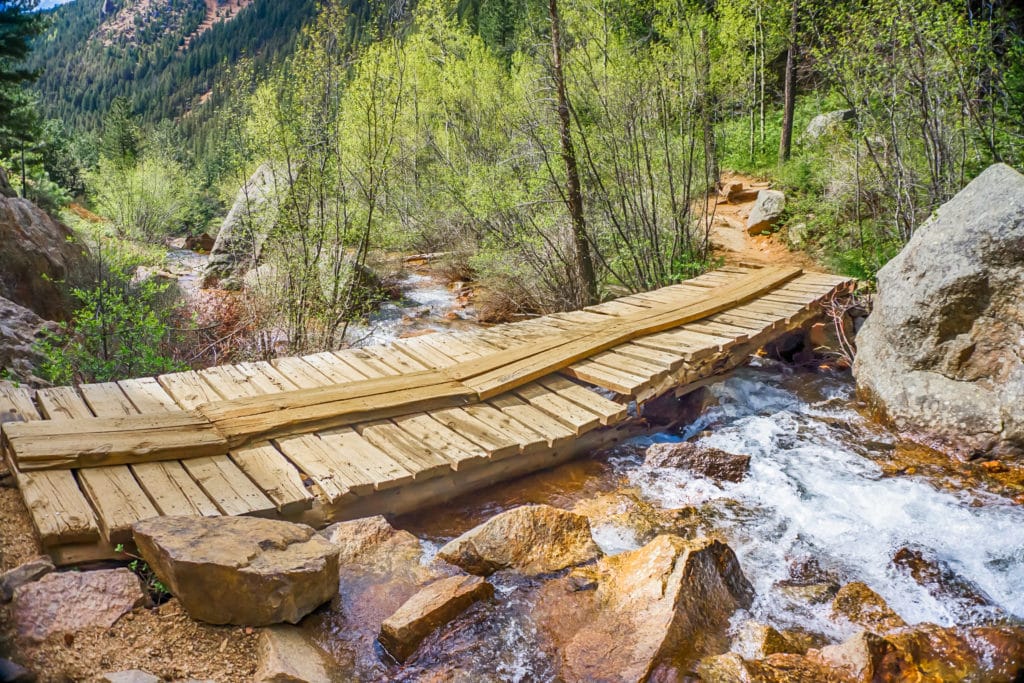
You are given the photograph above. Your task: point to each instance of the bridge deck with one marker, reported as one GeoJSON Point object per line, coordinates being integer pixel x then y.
{"type": "Point", "coordinates": [391, 465]}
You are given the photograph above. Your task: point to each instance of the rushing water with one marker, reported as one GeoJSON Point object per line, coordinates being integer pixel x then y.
{"type": "Point", "coordinates": [815, 490]}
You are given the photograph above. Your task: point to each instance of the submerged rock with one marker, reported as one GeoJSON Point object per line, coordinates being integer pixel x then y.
{"type": "Point", "coordinates": [940, 351]}
{"type": "Point", "coordinates": [240, 570]}
{"type": "Point", "coordinates": [67, 602]}
{"type": "Point", "coordinates": [766, 211]}
{"type": "Point", "coordinates": [866, 608]}
{"type": "Point", "coordinates": [531, 540]}
{"type": "Point", "coordinates": [699, 459]}
{"type": "Point", "coordinates": [429, 610]}
{"type": "Point", "coordinates": [665, 603]}
{"type": "Point", "coordinates": [941, 580]}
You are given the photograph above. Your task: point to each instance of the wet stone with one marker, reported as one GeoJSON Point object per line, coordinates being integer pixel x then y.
{"type": "Point", "coordinates": [866, 608]}
{"type": "Point", "coordinates": [704, 461]}
{"type": "Point", "coordinates": [430, 609]}
{"type": "Point", "coordinates": [286, 655]}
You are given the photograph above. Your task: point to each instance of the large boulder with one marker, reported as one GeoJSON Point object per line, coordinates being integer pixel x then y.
{"type": "Point", "coordinates": [940, 352]}
{"type": "Point", "coordinates": [20, 330]}
{"type": "Point", "coordinates": [66, 602]}
{"type": "Point", "coordinates": [37, 255]}
{"type": "Point", "coordinates": [531, 540]}
{"type": "Point", "coordinates": [430, 609]}
{"type": "Point", "coordinates": [766, 211]}
{"type": "Point", "coordinates": [655, 610]}
{"type": "Point", "coordinates": [240, 570]}
{"type": "Point", "coordinates": [243, 234]}
{"type": "Point", "coordinates": [825, 123]}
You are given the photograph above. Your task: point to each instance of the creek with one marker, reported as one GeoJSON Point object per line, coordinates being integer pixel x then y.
{"type": "Point", "coordinates": [820, 493]}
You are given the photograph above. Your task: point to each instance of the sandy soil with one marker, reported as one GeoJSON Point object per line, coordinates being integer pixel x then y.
{"type": "Point", "coordinates": [729, 235]}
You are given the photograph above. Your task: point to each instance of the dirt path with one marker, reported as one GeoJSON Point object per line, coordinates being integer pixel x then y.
{"type": "Point", "coordinates": [729, 236]}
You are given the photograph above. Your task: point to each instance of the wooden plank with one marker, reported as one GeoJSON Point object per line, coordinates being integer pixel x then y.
{"type": "Point", "coordinates": [275, 476]}
{"type": "Point", "coordinates": [603, 376]}
{"type": "Point", "coordinates": [228, 487]}
{"type": "Point", "coordinates": [301, 373]}
{"type": "Point", "coordinates": [118, 499]}
{"type": "Point", "coordinates": [461, 452]}
{"type": "Point", "coordinates": [332, 367]}
{"type": "Point", "coordinates": [148, 396]}
{"type": "Point", "coordinates": [667, 359]}
{"type": "Point", "coordinates": [335, 477]}
{"type": "Point", "coordinates": [386, 472]}
{"type": "Point", "coordinates": [395, 359]}
{"type": "Point", "coordinates": [553, 431]}
{"type": "Point", "coordinates": [188, 389]}
{"type": "Point", "coordinates": [59, 511]}
{"type": "Point", "coordinates": [609, 412]}
{"type": "Point", "coordinates": [423, 351]}
{"type": "Point", "coordinates": [498, 442]}
{"type": "Point", "coordinates": [107, 400]}
{"type": "Point", "coordinates": [573, 415]}
{"type": "Point", "coordinates": [365, 364]}
{"type": "Point", "coordinates": [420, 461]}
{"type": "Point", "coordinates": [172, 490]}
{"type": "Point", "coordinates": [530, 441]}
{"type": "Point", "coordinates": [97, 442]}
{"type": "Point", "coordinates": [61, 404]}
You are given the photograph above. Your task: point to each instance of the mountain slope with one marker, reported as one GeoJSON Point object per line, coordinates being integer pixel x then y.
{"type": "Point", "coordinates": [163, 55]}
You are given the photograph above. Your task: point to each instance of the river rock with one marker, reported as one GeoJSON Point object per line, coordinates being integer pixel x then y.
{"type": "Point", "coordinates": [67, 602]}
{"type": "Point", "coordinates": [129, 676]}
{"type": "Point", "coordinates": [860, 658]}
{"type": "Point", "coordinates": [23, 574]}
{"type": "Point", "coordinates": [429, 610]}
{"type": "Point", "coordinates": [240, 570]}
{"type": "Point", "coordinates": [727, 668]}
{"type": "Point", "coordinates": [200, 243]}
{"type": "Point", "coordinates": [937, 577]}
{"type": "Point", "coordinates": [754, 640]}
{"type": "Point", "coordinates": [371, 544]}
{"type": "Point", "coordinates": [790, 668]}
{"type": "Point", "coordinates": [244, 232]}
{"type": "Point", "coordinates": [939, 352]}
{"type": "Point", "coordinates": [980, 653]}
{"type": "Point", "coordinates": [767, 209]}
{"type": "Point", "coordinates": [286, 655]}
{"type": "Point", "coordinates": [703, 460]}
{"type": "Point", "coordinates": [824, 123]}
{"type": "Point", "coordinates": [531, 540]}
{"type": "Point", "coordinates": [665, 604]}
{"type": "Point", "coordinates": [38, 255]}
{"type": "Point", "coordinates": [866, 608]}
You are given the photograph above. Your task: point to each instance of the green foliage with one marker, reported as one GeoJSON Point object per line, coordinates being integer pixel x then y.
{"type": "Point", "coordinates": [121, 328]}
{"type": "Point", "coordinates": [156, 588]}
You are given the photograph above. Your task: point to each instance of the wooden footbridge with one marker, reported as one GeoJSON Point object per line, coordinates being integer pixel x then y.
{"type": "Point", "coordinates": [382, 429]}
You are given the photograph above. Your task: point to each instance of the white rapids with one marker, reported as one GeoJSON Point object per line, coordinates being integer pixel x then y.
{"type": "Point", "coordinates": [813, 492]}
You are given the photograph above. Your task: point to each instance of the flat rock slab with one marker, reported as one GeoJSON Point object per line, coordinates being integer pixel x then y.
{"type": "Point", "coordinates": [429, 610]}
{"type": "Point", "coordinates": [67, 602]}
{"type": "Point", "coordinates": [244, 571]}
{"type": "Point", "coordinates": [288, 656]}
{"type": "Point", "coordinates": [531, 540]}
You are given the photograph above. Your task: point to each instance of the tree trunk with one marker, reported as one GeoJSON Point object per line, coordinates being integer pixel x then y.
{"type": "Point", "coordinates": [574, 195]}
{"type": "Point", "coordinates": [786, 139]}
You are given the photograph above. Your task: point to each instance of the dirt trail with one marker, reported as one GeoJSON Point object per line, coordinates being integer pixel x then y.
{"type": "Point", "coordinates": [729, 236]}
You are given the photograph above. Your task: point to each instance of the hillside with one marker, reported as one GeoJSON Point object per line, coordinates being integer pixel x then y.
{"type": "Point", "coordinates": [163, 55]}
